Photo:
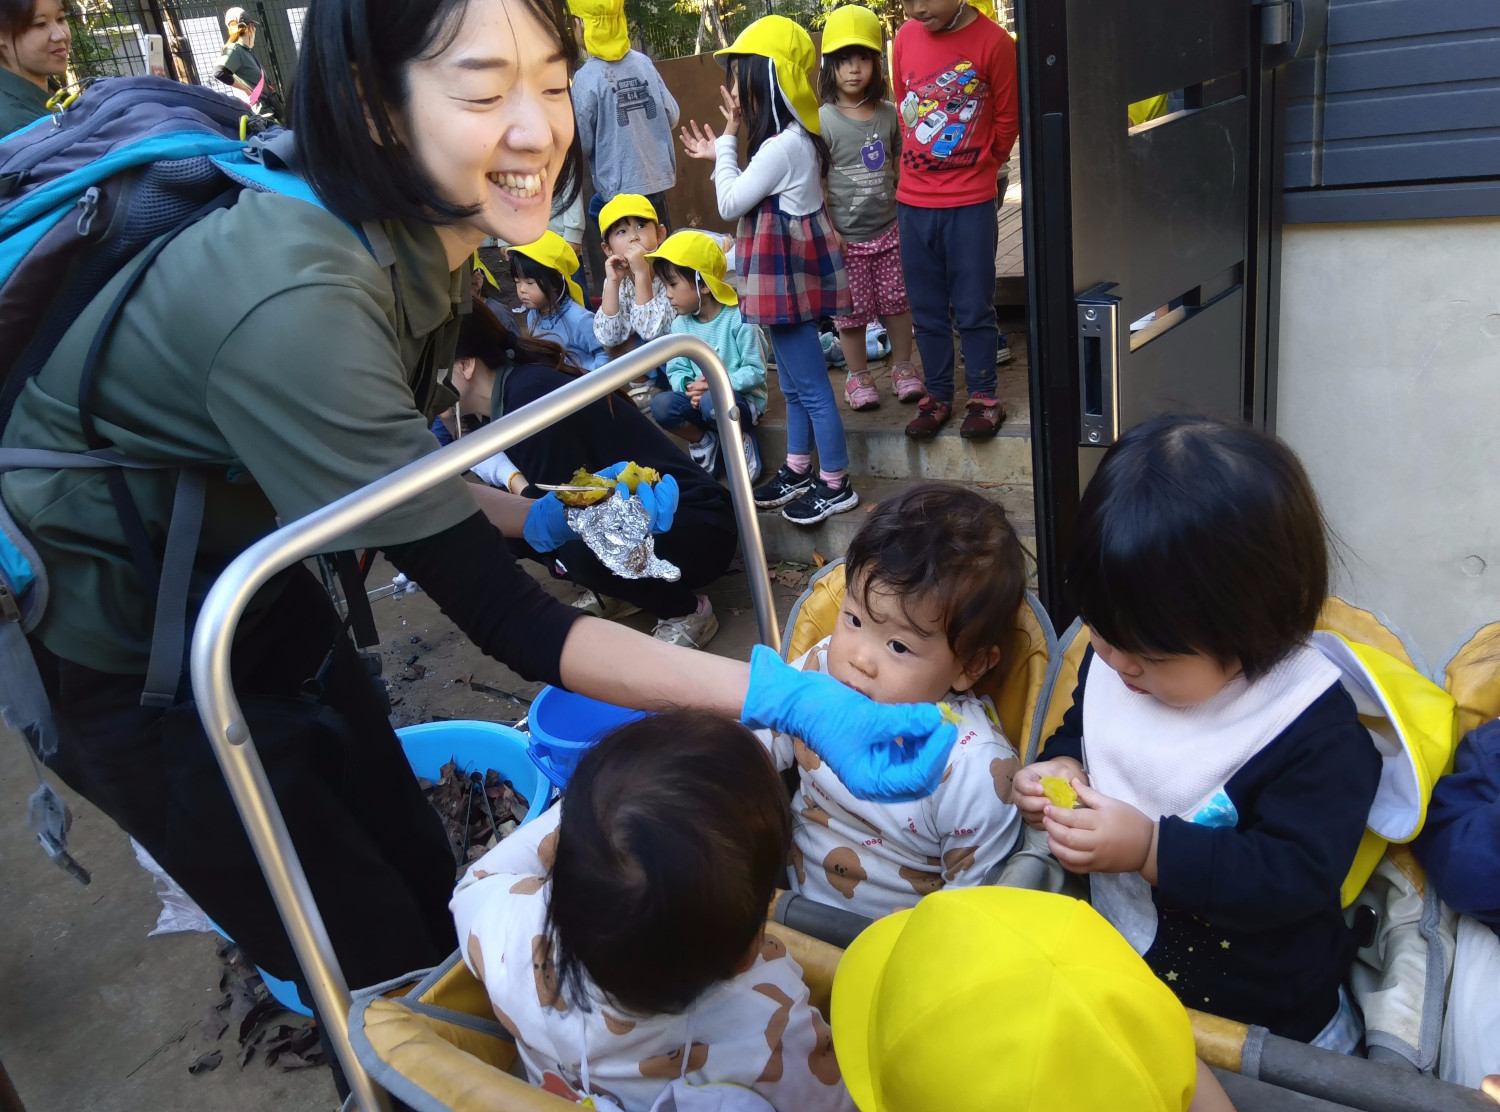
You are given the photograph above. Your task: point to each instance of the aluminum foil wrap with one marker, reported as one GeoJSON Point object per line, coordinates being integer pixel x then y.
{"type": "Point", "coordinates": [618, 531]}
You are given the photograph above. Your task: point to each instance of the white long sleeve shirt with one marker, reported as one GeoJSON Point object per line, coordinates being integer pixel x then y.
{"type": "Point", "coordinates": [785, 166]}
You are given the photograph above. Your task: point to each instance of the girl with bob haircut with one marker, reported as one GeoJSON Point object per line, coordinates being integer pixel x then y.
{"type": "Point", "coordinates": [293, 375]}
{"type": "Point", "coordinates": [1228, 778]}
{"type": "Point", "coordinates": [621, 936]}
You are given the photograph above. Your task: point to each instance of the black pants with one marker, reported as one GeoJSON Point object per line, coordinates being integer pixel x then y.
{"type": "Point", "coordinates": [700, 544]}
{"type": "Point", "coordinates": [374, 851]}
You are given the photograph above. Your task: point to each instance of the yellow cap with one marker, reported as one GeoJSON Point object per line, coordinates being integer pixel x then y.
{"type": "Point", "coordinates": [1007, 1000]}
{"type": "Point", "coordinates": [479, 266]}
{"type": "Point", "coordinates": [604, 32]}
{"type": "Point", "coordinates": [792, 56]}
{"type": "Point", "coordinates": [699, 252]}
{"type": "Point", "coordinates": [852, 25]}
{"type": "Point", "coordinates": [553, 251]}
{"type": "Point", "coordinates": [623, 205]}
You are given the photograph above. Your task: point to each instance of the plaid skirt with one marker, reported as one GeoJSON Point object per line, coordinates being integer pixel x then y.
{"type": "Point", "coordinates": [791, 265]}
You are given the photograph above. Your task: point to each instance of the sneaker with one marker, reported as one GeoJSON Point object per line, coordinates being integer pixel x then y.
{"type": "Point", "coordinates": [821, 501]}
{"type": "Point", "coordinates": [784, 486]}
{"type": "Point", "coordinates": [860, 392]}
{"type": "Point", "coordinates": [752, 455]}
{"type": "Point", "coordinates": [691, 631]}
{"type": "Point", "coordinates": [984, 417]}
{"type": "Point", "coordinates": [641, 391]}
{"type": "Point", "coordinates": [931, 416]}
{"type": "Point", "coordinates": [603, 606]}
{"type": "Point", "coordinates": [908, 382]}
{"type": "Point", "coordinates": [1002, 350]}
{"type": "Point", "coordinates": [705, 451]}
{"type": "Point", "coordinates": [833, 351]}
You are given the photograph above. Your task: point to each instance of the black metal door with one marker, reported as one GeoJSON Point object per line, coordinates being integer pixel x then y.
{"type": "Point", "coordinates": [1150, 142]}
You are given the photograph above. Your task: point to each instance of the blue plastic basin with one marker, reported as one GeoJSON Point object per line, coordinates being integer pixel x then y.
{"type": "Point", "coordinates": [477, 747]}
{"type": "Point", "coordinates": [564, 726]}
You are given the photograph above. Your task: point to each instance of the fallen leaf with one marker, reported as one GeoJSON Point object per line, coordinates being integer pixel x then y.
{"type": "Point", "coordinates": [819, 559]}
{"type": "Point", "coordinates": [206, 1063]}
{"type": "Point", "coordinates": [213, 1026]}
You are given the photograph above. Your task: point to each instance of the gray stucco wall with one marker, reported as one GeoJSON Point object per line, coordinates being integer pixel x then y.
{"type": "Point", "coordinates": [1388, 387]}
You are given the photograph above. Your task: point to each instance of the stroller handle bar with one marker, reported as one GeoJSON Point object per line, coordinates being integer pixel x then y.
{"type": "Point", "coordinates": [213, 637]}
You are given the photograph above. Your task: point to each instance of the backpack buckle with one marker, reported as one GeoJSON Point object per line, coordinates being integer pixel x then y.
{"type": "Point", "coordinates": [10, 608]}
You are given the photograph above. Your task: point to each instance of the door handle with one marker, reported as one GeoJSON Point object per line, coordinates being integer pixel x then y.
{"type": "Point", "coordinates": [1098, 313]}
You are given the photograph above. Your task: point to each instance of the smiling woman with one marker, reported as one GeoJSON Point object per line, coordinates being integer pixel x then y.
{"type": "Point", "coordinates": [34, 40]}
{"type": "Point", "coordinates": [293, 353]}
{"type": "Point", "coordinates": [454, 112]}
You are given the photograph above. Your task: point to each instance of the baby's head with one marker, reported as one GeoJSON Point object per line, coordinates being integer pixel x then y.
{"type": "Point", "coordinates": [933, 579]}
{"type": "Point", "coordinates": [629, 220]}
{"type": "Point", "coordinates": [674, 834]}
{"type": "Point", "coordinates": [1199, 554]}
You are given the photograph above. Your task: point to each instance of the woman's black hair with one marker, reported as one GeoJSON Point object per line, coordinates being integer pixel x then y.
{"type": "Point", "coordinates": [351, 79]}
{"type": "Point", "coordinates": [1200, 536]}
{"type": "Point", "coordinates": [828, 86]}
{"type": "Point", "coordinates": [554, 286]}
{"type": "Point", "coordinates": [484, 336]}
{"type": "Point", "coordinates": [15, 17]}
{"type": "Point", "coordinates": [758, 95]}
{"type": "Point", "coordinates": [674, 835]}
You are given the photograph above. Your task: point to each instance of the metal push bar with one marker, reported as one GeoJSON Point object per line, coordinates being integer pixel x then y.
{"type": "Point", "coordinates": [317, 532]}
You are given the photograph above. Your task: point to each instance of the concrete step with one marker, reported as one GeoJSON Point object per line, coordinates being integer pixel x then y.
{"type": "Point", "coordinates": [829, 539]}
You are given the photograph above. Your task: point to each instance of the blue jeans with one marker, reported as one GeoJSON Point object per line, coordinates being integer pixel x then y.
{"type": "Point", "coordinates": [673, 410]}
{"type": "Point", "coordinates": [948, 258]}
{"type": "Point", "coordinates": [812, 413]}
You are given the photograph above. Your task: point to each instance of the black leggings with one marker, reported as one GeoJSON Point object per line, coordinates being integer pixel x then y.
{"type": "Point", "coordinates": [699, 544]}
{"type": "Point", "coordinates": [374, 850]}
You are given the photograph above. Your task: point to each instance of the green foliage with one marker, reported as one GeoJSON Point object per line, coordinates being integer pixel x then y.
{"type": "Point", "coordinates": [91, 54]}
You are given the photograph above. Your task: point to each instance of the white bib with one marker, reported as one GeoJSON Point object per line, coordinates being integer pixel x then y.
{"type": "Point", "coordinates": [1167, 761]}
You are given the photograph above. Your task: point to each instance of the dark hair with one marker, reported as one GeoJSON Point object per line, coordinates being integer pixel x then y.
{"type": "Point", "coordinates": [757, 96]}
{"type": "Point", "coordinates": [1200, 536]}
{"type": "Point", "coordinates": [609, 231]}
{"type": "Point", "coordinates": [482, 335]}
{"type": "Point", "coordinates": [674, 834]}
{"type": "Point", "coordinates": [940, 543]}
{"type": "Point", "coordinates": [351, 77]}
{"type": "Point", "coordinates": [828, 86]}
{"type": "Point", "coordinates": [554, 286]}
{"type": "Point", "coordinates": [15, 17]}
{"type": "Point", "coordinates": [666, 268]}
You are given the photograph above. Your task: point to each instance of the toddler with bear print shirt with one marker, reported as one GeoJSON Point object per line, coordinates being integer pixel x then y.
{"type": "Point", "coordinates": [933, 580]}
{"type": "Point", "coordinates": [621, 936]}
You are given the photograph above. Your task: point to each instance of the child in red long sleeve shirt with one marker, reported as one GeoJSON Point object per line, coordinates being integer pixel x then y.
{"type": "Point", "coordinates": [955, 86]}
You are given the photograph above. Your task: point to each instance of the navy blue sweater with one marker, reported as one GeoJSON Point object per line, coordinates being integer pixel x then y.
{"type": "Point", "coordinates": [1249, 922]}
{"type": "Point", "coordinates": [1460, 845]}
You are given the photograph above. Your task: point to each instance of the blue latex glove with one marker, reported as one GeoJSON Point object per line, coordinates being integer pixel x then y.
{"type": "Point", "coordinates": [547, 527]}
{"type": "Point", "coordinates": [852, 733]}
{"type": "Point", "coordinates": [659, 499]}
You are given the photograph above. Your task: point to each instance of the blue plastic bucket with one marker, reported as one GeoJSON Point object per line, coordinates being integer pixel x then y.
{"type": "Point", "coordinates": [476, 747]}
{"type": "Point", "coordinates": [564, 726]}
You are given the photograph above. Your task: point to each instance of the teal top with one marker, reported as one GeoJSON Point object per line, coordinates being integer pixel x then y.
{"type": "Point", "coordinates": [20, 102]}
{"type": "Point", "coordinates": [738, 345]}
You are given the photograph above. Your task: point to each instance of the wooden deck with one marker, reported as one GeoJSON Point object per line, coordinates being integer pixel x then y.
{"type": "Point", "coordinates": [1010, 251]}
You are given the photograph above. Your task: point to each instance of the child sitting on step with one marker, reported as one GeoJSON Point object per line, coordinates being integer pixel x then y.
{"type": "Point", "coordinates": [633, 307]}
{"type": "Point", "coordinates": [933, 580]}
{"type": "Point", "coordinates": [1225, 777]}
{"type": "Point", "coordinates": [553, 300]}
{"type": "Point", "coordinates": [621, 935]}
{"type": "Point", "coordinates": [691, 265]}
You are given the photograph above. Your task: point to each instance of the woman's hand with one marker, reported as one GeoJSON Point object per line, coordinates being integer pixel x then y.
{"type": "Point", "coordinates": [659, 499]}
{"type": "Point", "coordinates": [1028, 787]}
{"type": "Point", "coordinates": [698, 142]}
{"type": "Point", "coordinates": [730, 111]}
{"type": "Point", "coordinates": [547, 527]}
{"type": "Point", "coordinates": [879, 751]}
{"type": "Point", "coordinates": [1104, 836]}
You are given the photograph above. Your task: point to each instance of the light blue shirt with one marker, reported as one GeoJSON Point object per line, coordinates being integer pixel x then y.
{"type": "Point", "coordinates": [572, 326]}
{"type": "Point", "coordinates": [738, 345]}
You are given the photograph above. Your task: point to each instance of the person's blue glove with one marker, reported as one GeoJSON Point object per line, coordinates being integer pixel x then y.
{"type": "Point", "coordinates": [547, 528]}
{"type": "Point", "coordinates": [855, 735]}
{"type": "Point", "coordinates": [659, 499]}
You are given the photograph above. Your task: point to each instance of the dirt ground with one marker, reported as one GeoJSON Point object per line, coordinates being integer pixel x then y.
{"type": "Point", "coordinates": [95, 1015]}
